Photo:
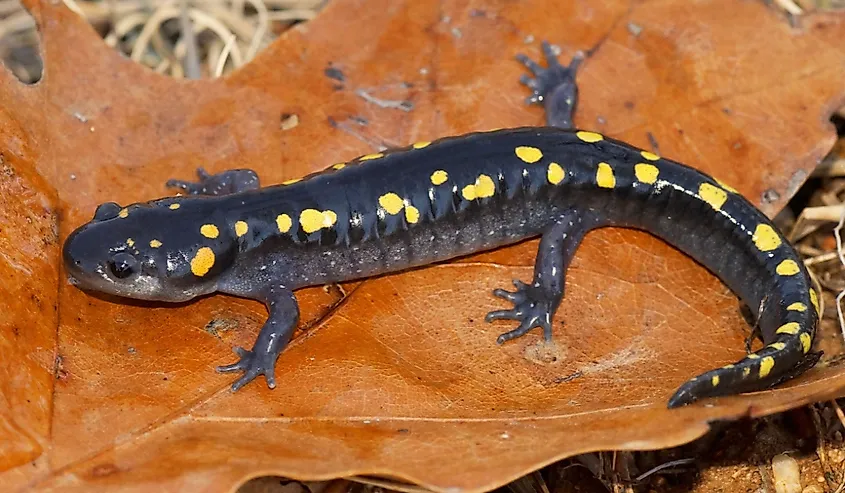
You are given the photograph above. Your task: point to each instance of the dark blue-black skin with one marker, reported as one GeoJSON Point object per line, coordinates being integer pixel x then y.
{"type": "Point", "coordinates": [430, 202]}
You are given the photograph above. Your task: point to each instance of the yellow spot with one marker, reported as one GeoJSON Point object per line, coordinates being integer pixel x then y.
{"type": "Point", "coordinates": [646, 173]}
{"type": "Point", "coordinates": [484, 186]}
{"type": "Point", "coordinates": [339, 166]}
{"type": "Point", "coordinates": [766, 365]}
{"type": "Point", "coordinates": [155, 243]}
{"type": "Point", "coordinates": [589, 136]}
{"type": "Point", "coordinates": [420, 145]}
{"type": "Point", "coordinates": [725, 186]}
{"type": "Point", "coordinates": [173, 207]}
{"type": "Point", "coordinates": [797, 307]}
{"type": "Point", "coordinates": [468, 192]}
{"type": "Point", "coordinates": [715, 380]}
{"type": "Point", "coordinates": [439, 177]}
{"type": "Point", "coordinates": [291, 182]}
{"type": "Point", "coordinates": [790, 328]}
{"type": "Point", "coordinates": [765, 238]}
{"type": "Point", "coordinates": [555, 174]}
{"type": "Point", "coordinates": [604, 176]}
{"type": "Point", "coordinates": [130, 242]}
{"type": "Point", "coordinates": [728, 367]}
{"type": "Point", "coordinates": [528, 154]}
{"type": "Point", "coordinates": [787, 268]}
{"type": "Point", "coordinates": [202, 261]}
{"type": "Point", "coordinates": [391, 203]}
{"type": "Point", "coordinates": [241, 227]}
{"type": "Point", "coordinates": [412, 214]}
{"type": "Point", "coordinates": [714, 196]}
{"type": "Point", "coordinates": [806, 342]}
{"type": "Point", "coordinates": [311, 220]}
{"type": "Point", "coordinates": [649, 155]}
{"type": "Point", "coordinates": [777, 346]}
{"type": "Point", "coordinates": [123, 212]}
{"type": "Point", "coordinates": [371, 156]}
{"type": "Point", "coordinates": [283, 222]}
{"type": "Point", "coordinates": [814, 299]}
{"type": "Point", "coordinates": [209, 231]}
{"type": "Point", "coordinates": [746, 371]}
{"type": "Point", "coordinates": [329, 219]}
{"type": "Point", "coordinates": [753, 356]}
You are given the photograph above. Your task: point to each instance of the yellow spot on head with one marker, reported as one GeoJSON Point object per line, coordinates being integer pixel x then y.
{"type": "Point", "coordinates": [420, 145]}
{"type": "Point", "coordinates": [728, 367]}
{"type": "Point", "coordinates": [746, 371]}
{"type": "Point", "coordinates": [123, 212]}
{"type": "Point", "coordinates": [155, 243]}
{"type": "Point", "coordinates": [806, 342]}
{"type": "Point", "coordinates": [329, 219]}
{"type": "Point", "coordinates": [209, 231]}
{"type": "Point", "coordinates": [555, 174]}
{"type": "Point", "coordinates": [484, 186]}
{"type": "Point", "coordinates": [791, 328]}
{"type": "Point", "coordinates": [765, 238]}
{"type": "Point", "coordinates": [649, 155]}
{"type": "Point", "coordinates": [241, 227]}
{"type": "Point", "coordinates": [371, 156]}
{"type": "Point", "coordinates": [391, 203]}
{"type": "Point", "coordinates": [528, 154]}
{"type": "Point", "coordinates": [766, 365]}
{"type": "Point", "coordinates": [339, 166]}
{"type": "Point", "coordinates": [439, 177]}
{"type": "Point", "coordinates": [412, 214]}
{"type": "Point", "coordinates": [777, 346]}
{"type": "Point", "coordinates": [604, 176]}
{"type": "Point", "coordinates": [787, 268]}
{"type": "Point", "coordinates": [814, 299]}
{"type": "Point", "coordinates": [291, 182]}
{"type": "Point", "coordinates": [714, 196]}
{"type": "Point", "coordinates": [468, 192]}
{"type": "Point", "coordinates": [797, 307]}
{"type": "Point", "coordinates": [589, 136]}
{"type": "Point", "coordinates": [725, 186]}
{"type": "Point", "coordinates": [311, 220]}
{"type": "Point", "coordinates": [753, 356]}
{"type": "Point", "coordinates": [283, 222]}
{"type": "Point", "coordinates": [130, 242]}
{"type": "Point", "coordinates": [173, 207]}
{"type": "Point", "coordinates": [202, 262]}
{"type": "Point", "coordinates": [715, 380]}
{"type": "Point", "coordinates": [646, 173]}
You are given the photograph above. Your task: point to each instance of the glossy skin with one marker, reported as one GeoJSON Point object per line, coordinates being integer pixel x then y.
{"type": "Point", "coordinates": [435, 201]}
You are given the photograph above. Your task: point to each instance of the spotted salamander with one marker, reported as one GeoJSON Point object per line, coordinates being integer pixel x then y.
{"type": "Point", "coordinates": [434, 201]}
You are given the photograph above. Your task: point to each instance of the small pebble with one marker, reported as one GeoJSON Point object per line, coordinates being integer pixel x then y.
{"type": "Point", "coordinates": [787, 474]}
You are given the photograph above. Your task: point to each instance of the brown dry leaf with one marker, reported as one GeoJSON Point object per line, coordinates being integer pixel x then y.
{"type": "Point", "coordinates": [397, 376]}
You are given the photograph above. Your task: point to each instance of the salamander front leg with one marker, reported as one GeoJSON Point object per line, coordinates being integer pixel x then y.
{"type": "Point", "coordinates": [554, 86]}
{"type": "Point", "coordinates": [274, 336]}
{"type": "Point", "coordinates": [224, 183]}
{"type": "Point", "coordinates": [535, 304]}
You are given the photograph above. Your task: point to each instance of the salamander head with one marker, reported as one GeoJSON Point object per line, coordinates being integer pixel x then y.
{"type": "Point", "coordinates": [147, 251]}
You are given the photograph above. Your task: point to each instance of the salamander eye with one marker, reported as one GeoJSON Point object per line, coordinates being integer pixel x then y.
{"type": "Point", "coordinates": [123, 265]}
{"type": "Point", "coordinates": [106, 211]}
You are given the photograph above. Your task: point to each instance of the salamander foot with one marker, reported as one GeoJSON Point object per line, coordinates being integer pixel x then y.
{"type": "Point", "coordinates": [252, 365]}
{"type": "Point", "coordinates": [532, 308]}
{"type": "Point", "coordinates": [554, 86]}
{"type": "Point", "coordinates": [224, 183]}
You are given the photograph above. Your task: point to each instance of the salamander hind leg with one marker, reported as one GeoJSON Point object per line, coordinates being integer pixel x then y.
{"type": "Point", "coordinates": [554, 86]}
{"type": "Point", "coordinates": [535, 304]}
{"type": "Point", "coordinates": [223, 183]}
